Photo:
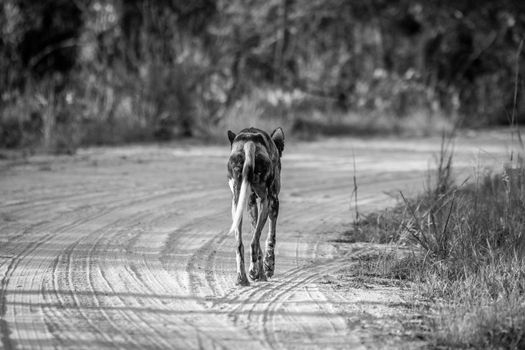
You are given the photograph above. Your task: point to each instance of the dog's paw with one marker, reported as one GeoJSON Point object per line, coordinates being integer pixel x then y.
{"type": "Point", "coordinates": [242, 280]}
{"type": "Point", "coordinates": [253, 274]}
{"type": "Point", "coordinates": [257, 275]}
{"type": "Point", "coordinates": [268, 274]}
{"type": "Point", "coordinates": [269, 266]}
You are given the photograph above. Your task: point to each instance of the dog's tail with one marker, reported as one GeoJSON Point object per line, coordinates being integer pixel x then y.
{"type": "Point", "coordinates": [247, 174]}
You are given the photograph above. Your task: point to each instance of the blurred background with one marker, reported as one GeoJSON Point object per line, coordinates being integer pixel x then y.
{"type": "Point", "coordinates": [89, 72]}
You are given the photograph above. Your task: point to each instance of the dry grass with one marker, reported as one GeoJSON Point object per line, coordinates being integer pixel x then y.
{"type": "Point", "coordinates": [306, 117]}
{"type": "Point", "coordinates": [94, 108]}
{"type": "Point", "coordinates": [473, 239]}
{"type": "Point", "coordinates": [469, 254]}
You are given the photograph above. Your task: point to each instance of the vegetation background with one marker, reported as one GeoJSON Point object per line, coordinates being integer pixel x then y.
{"type": "Point", "coordinates": [87, 72]}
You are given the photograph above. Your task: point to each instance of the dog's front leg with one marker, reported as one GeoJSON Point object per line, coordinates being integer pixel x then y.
{"type": "Point", "coordinates": [269, 258]}
{"type": "Point", "coordinates": [256, 263]}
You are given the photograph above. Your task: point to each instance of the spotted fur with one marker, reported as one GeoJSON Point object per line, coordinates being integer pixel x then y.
{"type": "Point", "coordinates": [254, 176]}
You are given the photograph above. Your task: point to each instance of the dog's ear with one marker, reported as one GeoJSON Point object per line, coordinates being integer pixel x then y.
{"type": "Point", "coordinates": [278, 138]}
{"type": "Point", "coordinates": [231, 136]}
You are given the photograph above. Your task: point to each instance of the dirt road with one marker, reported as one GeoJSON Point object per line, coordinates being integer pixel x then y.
{"type": "Point", "coordinates": [128, 247]}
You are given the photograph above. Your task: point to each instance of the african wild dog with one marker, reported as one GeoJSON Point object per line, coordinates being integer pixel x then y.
{"type": "Point", "coordinates": [254, 173]}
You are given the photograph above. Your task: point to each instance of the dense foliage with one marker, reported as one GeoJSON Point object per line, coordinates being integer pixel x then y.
{"type": "Point", "coordinates": [79, 71]}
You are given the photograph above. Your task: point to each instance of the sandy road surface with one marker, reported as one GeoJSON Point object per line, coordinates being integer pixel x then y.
{"type": "Point", "coordinates": [128, 248]}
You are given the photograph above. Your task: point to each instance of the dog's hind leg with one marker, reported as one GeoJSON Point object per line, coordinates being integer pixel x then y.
{"type": "Point", "coordinates": [241, 273]}
{"type": "Point", "coordinates": [256, 263]}
{"type": "Point", "coordinates": [252, 210]}
{"type": "Point", "coordinates": [254, 215]}
{"type": "Point", "coordinates": [269, 258]}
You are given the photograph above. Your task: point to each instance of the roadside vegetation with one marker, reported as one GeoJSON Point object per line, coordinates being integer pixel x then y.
{"type": "Point", "coordinates": [78, 73]}
{"type": "Point", "coordinates": [467, 259]}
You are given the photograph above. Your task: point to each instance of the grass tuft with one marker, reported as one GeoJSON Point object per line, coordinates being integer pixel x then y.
{"type": "Point", "coordinates": [469, 254]}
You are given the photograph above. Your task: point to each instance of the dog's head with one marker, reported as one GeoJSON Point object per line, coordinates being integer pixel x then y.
{"type": "Point", "coordinates": [260, 137]}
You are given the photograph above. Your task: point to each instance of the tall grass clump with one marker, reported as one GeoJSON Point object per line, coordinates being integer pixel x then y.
{"type": "Point", "coordinates": [472, 262]}
{"type": "Point", "coordinates": [468, 253]}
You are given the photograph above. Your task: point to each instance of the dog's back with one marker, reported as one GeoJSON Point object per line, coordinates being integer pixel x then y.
{"type": "Point", "coordinates": [267, 157]}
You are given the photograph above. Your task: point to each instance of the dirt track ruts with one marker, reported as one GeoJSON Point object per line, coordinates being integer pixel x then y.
{"type": "Point", "coordinates": [128, 247]}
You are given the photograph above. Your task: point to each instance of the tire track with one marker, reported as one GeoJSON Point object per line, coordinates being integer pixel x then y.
{"type": "Point", "coordinates": [59, 232]}
{"type": "Point", "coordinates": [7, 342]}
{"type": "Point", "coordinates": [64, 283]}
{"type": "Point", "coordinates": [136, 284]}
{"type": "Point", "coordinates": [157, 338]}
{"type": "Point", "coordinates": [86, 279]}
{"type": "Point", "coordinates": [261, 305]}
{"type": "Point", "coordinates": [197, 280]}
